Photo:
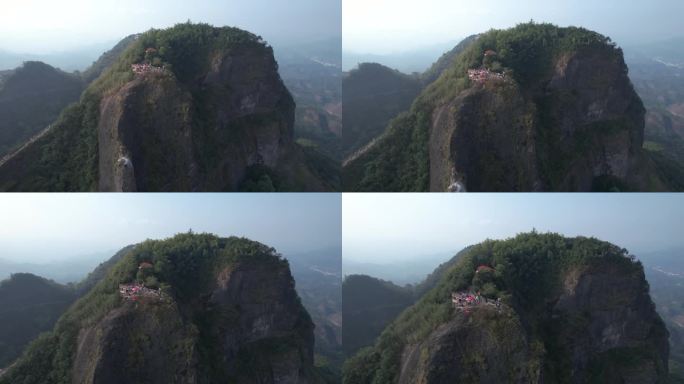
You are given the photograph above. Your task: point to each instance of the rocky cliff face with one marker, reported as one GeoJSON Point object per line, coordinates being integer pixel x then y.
{"type": "Point", "coordinates": [601, 317]}
{"type": "Point", "coordinates": [534, 108]}
{"type": "Point", "coordinates": [227, 311]}
{"type": "Point", "coordinates": [586, 119]}
{"type": "Point", "coordinates": [151, 136]}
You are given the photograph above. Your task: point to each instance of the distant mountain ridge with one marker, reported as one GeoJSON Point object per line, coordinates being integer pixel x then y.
{"type": "Point", "coordinates": [369, 305]}
{"type": "Point", "coordinates": [558, 296]}
{"type": "Point", "coordinates": [372, 94]}
{"type": "Point", "coordinates": [318, 284]}
{"type": "Point", "coordinates": [409, 61]}
{"type": "Point", "coordinates": [244, 142]}
{"type": "Point", "coordinates": [659, 80]}
{"type": "Point", "coordinates": [31, 98]}
{"type": "Point", "coordinates": [564, 111]}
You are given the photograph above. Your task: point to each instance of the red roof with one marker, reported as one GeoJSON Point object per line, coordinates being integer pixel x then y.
{"type": "Point", "coordinates": [489, 52]}
{"type": "Point", "coordinates": [484, 268]}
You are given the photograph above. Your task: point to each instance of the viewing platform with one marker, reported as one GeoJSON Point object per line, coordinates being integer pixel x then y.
{"type": "Point", "coordinates": [135, 292]}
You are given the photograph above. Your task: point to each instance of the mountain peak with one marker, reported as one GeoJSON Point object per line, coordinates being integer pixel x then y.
{"type": "Point", "coordinates": [549, 307]}
{"type": "Point", "coordinates": [550, 109]}
{"type": "Point", "coordinates": [208, 307]}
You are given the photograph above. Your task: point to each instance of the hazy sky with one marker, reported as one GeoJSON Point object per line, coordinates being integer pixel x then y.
{"type": "Point", "coordinates": [387, 26]}
{"type": "Point", "coordinates": [46, 227]}
{"type": "Point", "coordinates": [40, 26]}
{"type": "Point", "coordinates": [381, 228]}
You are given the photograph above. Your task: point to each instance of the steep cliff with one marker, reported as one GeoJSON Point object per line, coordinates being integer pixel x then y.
{"type": "Point", "coordinates": [572, 310]}
{"type": "Point", "coordinates": [191, 108]}
{"type": "Point", "coordinates": [533, 108]}
{"type": "Point", "coordinates": [212, 310]}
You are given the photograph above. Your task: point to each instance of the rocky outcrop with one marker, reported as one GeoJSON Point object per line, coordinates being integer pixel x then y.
{"type": "Point", "coordinates": [602, 317]}
{"type": "Point", "coordinates": [249, 326]}
{"type": "Point", "coordinates": [269, 311]}
{"type": "Point", "coordinates": [583, 123]}
{"type": "Point", "coordinates": [483, 140]}
{"type": "Point", "coordinates": [137, 343]}
{"type": "Point", "coordinates": [213, 115]}
{"type": "Point", "coordinates": [553, 110]}
{"type": "Point", "coordinates": [616, 315]}
{"type": "Point", "coordinates": [254, 326]}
